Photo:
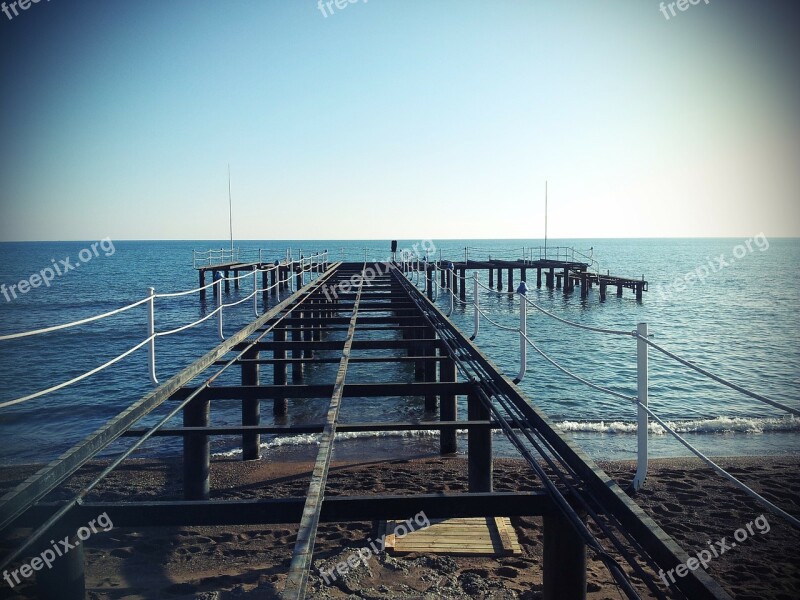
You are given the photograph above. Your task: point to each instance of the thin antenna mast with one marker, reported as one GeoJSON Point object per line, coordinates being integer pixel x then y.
{"type": "Point", "coordinates": [230, 208]}
{"type": "Point", "coordinates": [545, 219]}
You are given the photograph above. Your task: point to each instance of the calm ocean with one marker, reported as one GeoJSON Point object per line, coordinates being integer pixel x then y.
{"type": "Point", "coordinates": [741, 322]}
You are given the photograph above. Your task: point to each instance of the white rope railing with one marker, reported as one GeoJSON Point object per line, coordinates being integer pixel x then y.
{"type": "Point", "coordinates": [578, 377]}
{"type": "Point", "coordinates": [580, 325]}
{"type": "Point", "coordinates": [641, 399]}
{"type": "Point", "coordinates": [74, 380]}
{"type": "Point", "coordinates": [15, 336]}
{"type": "Point", "coordinates": [508, 293]}
{"type": "Point", "coordinates": [314, 264]}
{"type": "Point", "coordinates": [719, 470]}
{"type": "Point", "coordinates": [496, 324]}
{"type": "Point", "coordinates": [721, 380]}
{"type": "Point", "coordinates": [188, 326]}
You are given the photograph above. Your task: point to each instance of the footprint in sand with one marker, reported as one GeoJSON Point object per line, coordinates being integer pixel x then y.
{"type": "Point", "coordinates": [122, 553]}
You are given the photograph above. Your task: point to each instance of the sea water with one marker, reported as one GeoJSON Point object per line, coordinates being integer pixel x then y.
{"type": "Point", "coordinates": [728, 305]}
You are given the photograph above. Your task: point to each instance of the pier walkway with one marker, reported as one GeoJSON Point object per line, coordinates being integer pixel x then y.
{"type": "Point", "coordinates": [358, 314]}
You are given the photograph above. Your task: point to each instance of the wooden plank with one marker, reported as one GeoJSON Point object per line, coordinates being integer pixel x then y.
{"type": "Point", "coordinates": [297, 579]}
{"type": "Point", "coordinates": [503, 531]}
{"type": "Point", "coordinates": [481, 536]}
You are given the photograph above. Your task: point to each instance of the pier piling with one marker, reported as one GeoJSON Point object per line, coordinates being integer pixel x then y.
{"type": "Point", "coordinates": [251, 407]}
{"type": "Point", "coordinates": [196, 450]}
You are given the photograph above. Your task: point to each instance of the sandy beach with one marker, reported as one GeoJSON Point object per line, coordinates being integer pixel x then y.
{"type": "Point", "coordinates": [691, 503]}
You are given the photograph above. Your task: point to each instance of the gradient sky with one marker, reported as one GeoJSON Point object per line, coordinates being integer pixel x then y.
{"type": "Point", "coordinates": [399, 119]}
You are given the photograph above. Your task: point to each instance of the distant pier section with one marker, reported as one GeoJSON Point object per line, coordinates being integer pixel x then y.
{"type": "Point", "coordinates": [236, 261]}
{"type": "Point", "coordinates": [560, 268]}
{"type": "Point", "coordinates": [557, 268]}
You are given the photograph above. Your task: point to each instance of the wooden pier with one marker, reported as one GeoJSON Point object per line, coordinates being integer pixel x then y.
{"type": "Point", "coordinates": [550, 274]}
{"type": "Point", "coordinates": [356, 313]}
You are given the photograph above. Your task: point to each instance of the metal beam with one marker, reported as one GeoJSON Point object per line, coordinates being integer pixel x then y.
{"type": "Point", "coordinates": [38, 485]}
{"type": "Point", "coordinates": [297, 579]}
{"type": "Point", "coordinates": [182, 513]}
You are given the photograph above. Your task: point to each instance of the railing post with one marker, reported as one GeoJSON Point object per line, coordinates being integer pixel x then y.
{"type": "Point", "coordinates": [522, 290]}
{"type": "Point", "coordinates": [476, 304]}
{"type": "Point", "coordinates": [255, 290]}
{"type": "Point", "coordinates": [219, 308]}
{"type": "Point", "coordinates": [151, 333]}
{"type": "Point", "coordinates": [642, 421]}
{"type": "Point", "coordinates": [450, 288]}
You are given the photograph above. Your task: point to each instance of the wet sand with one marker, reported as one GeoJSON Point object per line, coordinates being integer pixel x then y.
{"type": "Point", "coordinates": [688, 500]}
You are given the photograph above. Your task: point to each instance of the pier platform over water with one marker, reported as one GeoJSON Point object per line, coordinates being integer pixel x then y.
{"type": "Point", "coordinates": [376, 317]}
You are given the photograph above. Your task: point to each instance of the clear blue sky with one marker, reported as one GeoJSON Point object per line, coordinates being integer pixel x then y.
{"type": "Point", "coordinates": [398, 119]}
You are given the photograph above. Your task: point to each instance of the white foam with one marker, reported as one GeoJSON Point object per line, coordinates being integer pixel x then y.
{"type": "Point", "coordinates": [718, 425]}
{"type": "Point", "coordinates": [749, 425]}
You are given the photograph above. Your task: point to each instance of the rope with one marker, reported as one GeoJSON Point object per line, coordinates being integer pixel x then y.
{"type": "Point", "coordinates": [79, 378]}
{"type": "Point", "coordinates": [511, 293]}
{"type": "Point", "coordinates": [178, 294]}
{"type": "Point", "coordinates": [577, 377]}
{"type": "Point", "coordinates": [717, 378]}
{"type": "Point", "coordinates": [760, 499]}
{"type": "Point", "coordinates": [14, 336]}
{"type": "Point", "coordinates": [245, 299]}
{"type": "Point", "coordinates": [184, 327]}
{"type": "Point", "coordinates": [514, 329]}
{"type": "Point", "coordinates": [578, 325]}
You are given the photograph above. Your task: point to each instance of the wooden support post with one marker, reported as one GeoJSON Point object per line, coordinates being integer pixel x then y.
{"type": "Point", "coordinates": [567, 282]}
{"type": "Point", "coordinates": [202, 284]}
{"type": "Point", "coordinates": [299, 278]}
{"type": "Point", "coordinates": [510, 279]}
{"type": "Point", "coordinates": [428, 282]}
{"type": "Point", "coordinates": [442, 272]}
{"type": "Point", "coordinates": [236, 280]}
{"type": "Point", "coordinates": [272, 280]}
{"type": "Point", "coordinates": [539, 278]}
{"type": "Point", "coordinates": [419, 350]}
{"type": "Point", "coordinates": [563, 561]}
{"type": "Point", "coordinates": [479, 446]}
{"type": "Point", "coordinates": [558, 282]}
{"type": "Point", "coordinates": [499, 279]}
{"type": "Point", "coordinates": [196, 451]}
{"type": "Point", "coordinates": [602, 291]}
{"type": "Point", "coordinates": [584, 286]}
{"type": "Point", "coordinates": [264, 293]}
{"type": "Point", "coordinates": [491, 278]}
{"type": "Point", "coordinates": [523, 274]}
{"type": "Point", "coordinates": [463, 285]}
{"type": "Point", "coordinates": [251, 408]}
{"type": "Point", "coordinates": [431, 400]}
{"type": "Point", "coordinates": [639, 287]}
{"type": "Point", "coordinates": [448, 408]}
{"type": "Point", "coordinates": [619, 289]}
{"type": "Point", "coordinates": [280, 406]}
{"type": "Point", "coordinates": [298, 334]}
{"type": "Point", "coordinates": [227, 282]}
{"type": "Point", "coordinates": [550, 278]}
{"type": "Point", "coordinates": [454, 280]}
{"type": "Point", "coordinates": [318, 314]}
{"type": "Point", "coordinates": [66, 578]}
